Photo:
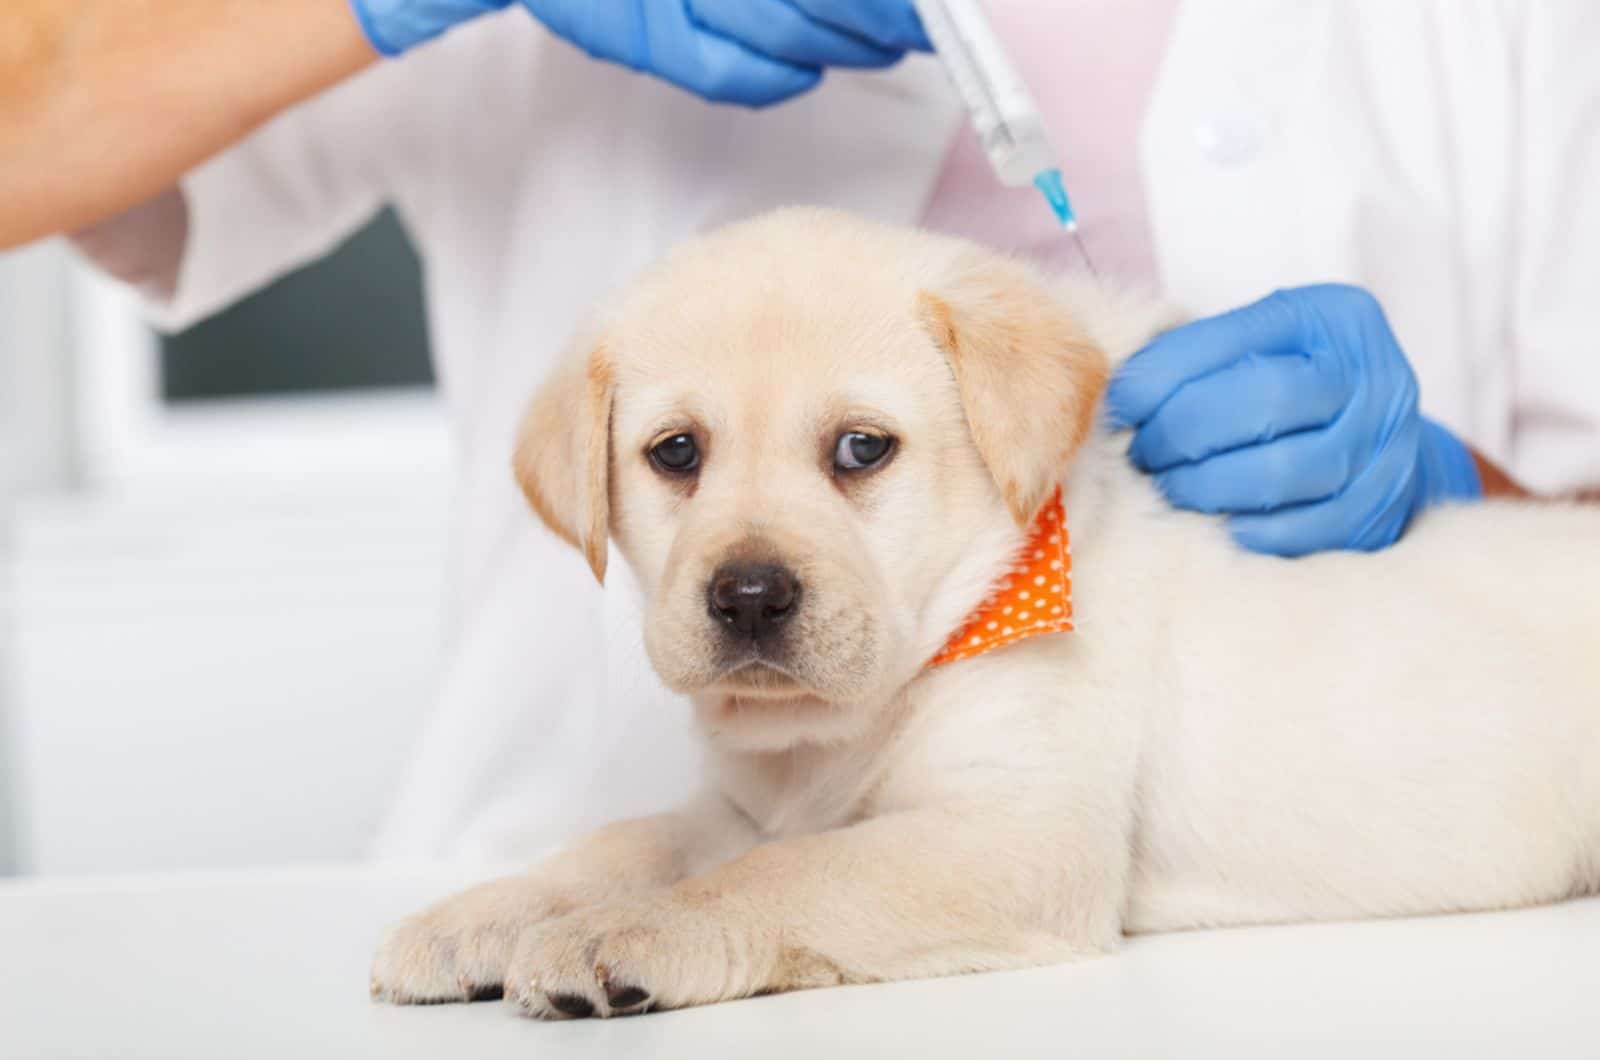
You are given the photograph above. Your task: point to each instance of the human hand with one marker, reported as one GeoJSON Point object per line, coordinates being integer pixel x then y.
{"type": "Point", "coordinates": [752, 52]}
{"type": "Point", "coordinates": [1297, 417]}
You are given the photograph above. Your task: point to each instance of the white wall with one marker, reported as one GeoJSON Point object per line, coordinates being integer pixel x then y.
{"type": "Point", "coordinates": [218, 630]}
{"type": "Point", "coordinates": [222, 680]}
{"type": "Point", "coordinates": [35, 447]}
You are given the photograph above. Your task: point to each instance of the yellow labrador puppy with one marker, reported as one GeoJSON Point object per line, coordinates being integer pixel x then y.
{"type": "Point", "coordinates": [820, 443]}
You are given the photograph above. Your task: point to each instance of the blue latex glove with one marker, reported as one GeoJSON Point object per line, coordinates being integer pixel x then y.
{"type": "Point", "coordinates": [1298, 417]}
{"type": "Point", "coordinates": [753, 52]}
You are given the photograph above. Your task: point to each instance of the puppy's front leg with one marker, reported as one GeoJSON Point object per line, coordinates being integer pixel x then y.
{"type": "Point", "coordinates": [909, 894]}
{"type": "Point", "coordinates": [457, 950]}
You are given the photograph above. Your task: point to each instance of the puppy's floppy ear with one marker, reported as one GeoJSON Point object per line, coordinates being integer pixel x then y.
{"type": "Point", "coordinates": [563, 454]}
{"type": "Point", "coordinates": [1029, 379]}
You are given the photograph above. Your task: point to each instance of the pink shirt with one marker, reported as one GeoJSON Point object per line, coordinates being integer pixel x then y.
{"type": "Point", "coordinates": [1091, 65]}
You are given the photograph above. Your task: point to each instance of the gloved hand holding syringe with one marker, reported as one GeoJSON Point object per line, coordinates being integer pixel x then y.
{"type": "Point", "coordinates": [759, 53]}
{"type": "Point", "coordinates": [1007, 120]}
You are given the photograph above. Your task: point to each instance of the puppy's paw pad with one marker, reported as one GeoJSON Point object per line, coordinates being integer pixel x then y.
{"type": "Point", "coordinates": [623, 999]}
{"type": "Point", "coordinates": [627, 997]}
{"type": "Point", "coordinates": [483, 992]}
{"type": "Point", "coordinates": [626, 959]}
{"type": "Point", "coordinates": [574, 1005]}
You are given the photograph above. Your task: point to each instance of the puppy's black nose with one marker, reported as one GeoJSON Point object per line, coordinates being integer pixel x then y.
{"type": "Point", "coordinates": [752, 599]}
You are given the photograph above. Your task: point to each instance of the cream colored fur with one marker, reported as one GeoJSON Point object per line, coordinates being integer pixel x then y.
{"type": "Point", "coordinates": [1227, 739]}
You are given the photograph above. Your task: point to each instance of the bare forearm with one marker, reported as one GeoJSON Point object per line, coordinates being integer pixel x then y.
{"type": "Point", "coordinates": [105, 103]}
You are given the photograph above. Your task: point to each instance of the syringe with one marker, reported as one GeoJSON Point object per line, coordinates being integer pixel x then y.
{"type": "Point", "coordinates": [1005, 116]}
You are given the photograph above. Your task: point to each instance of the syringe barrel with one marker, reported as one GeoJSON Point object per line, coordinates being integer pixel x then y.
{"type": "Point", "coordinates": [1003, 112]}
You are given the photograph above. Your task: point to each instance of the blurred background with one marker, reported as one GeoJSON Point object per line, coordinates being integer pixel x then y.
{"type": "Point", "coordinates": [222, 594]}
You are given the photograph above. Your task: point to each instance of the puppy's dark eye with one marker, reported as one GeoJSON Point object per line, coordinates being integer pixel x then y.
{"type": "Point", "coordinates": [858, 449]}
{"type": "Point", "coordinates": [676, 455]}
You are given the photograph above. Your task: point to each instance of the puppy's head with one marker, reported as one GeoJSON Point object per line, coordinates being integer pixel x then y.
{"type": "Point", "coordinates": [800, 430]}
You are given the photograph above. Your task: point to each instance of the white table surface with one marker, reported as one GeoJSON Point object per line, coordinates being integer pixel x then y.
{"type": "Point", "coordinates": [275, 965]}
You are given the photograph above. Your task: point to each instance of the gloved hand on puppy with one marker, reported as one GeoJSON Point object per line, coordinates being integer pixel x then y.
{"type": "Point", "coordinates": [1297, 417]}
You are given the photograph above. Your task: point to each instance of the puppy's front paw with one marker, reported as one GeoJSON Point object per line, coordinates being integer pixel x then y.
{"type": "Point", "coordinates": [458, 950]}
{"type": "Point", "coordinates": [627, 958]}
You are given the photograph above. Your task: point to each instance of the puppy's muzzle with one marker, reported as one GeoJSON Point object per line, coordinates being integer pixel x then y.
{"type": "Point", "coordinates": [753, 601]}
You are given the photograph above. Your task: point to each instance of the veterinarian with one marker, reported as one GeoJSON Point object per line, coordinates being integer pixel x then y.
{"type": "Point", "coordinates": [1438, 154]}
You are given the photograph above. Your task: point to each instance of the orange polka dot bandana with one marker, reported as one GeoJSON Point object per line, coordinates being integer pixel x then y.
{"type": "Point", "coordinates": [1034, 596]}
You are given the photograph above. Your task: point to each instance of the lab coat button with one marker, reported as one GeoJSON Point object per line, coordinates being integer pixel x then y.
{"type": "Point", "coordinates": [1228, 139]}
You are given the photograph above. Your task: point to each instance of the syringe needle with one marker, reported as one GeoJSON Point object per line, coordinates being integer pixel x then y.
{"type": "Point", "coordinates": [1083, 250]}
{"type": "Point", "coordinates": [1055, 193]}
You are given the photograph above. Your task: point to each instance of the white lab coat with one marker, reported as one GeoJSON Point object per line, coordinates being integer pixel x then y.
{"type": "Point", "coordinates": [1443, 153]}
